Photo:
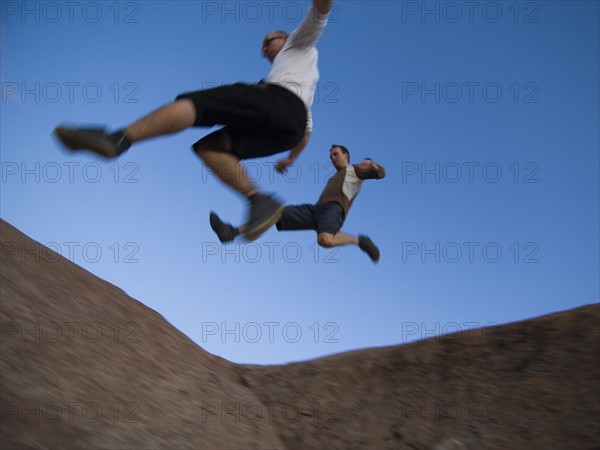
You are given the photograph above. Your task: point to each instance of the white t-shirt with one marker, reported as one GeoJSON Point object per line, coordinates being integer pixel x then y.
{"type": "Point", "coordinates": [352, 183]}
{"type": "Point", "coordinates": [295, 66]}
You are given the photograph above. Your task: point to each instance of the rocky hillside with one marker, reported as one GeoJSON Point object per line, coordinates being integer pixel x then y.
{"type": "Point", "coordinates": [85, 366]}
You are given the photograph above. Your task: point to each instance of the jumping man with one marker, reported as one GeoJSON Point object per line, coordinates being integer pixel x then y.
{"type": "Point", "coordinates": [327, 216]}
{"type": "Point", "coordinates": [260, 119]}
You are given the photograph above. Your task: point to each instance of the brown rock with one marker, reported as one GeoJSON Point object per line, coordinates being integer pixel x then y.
{"type": "Point", "coordinates": [85, 366]}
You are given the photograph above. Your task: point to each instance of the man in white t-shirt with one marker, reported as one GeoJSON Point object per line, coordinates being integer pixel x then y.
{"type": "Point", "coordinates": [260, 119]}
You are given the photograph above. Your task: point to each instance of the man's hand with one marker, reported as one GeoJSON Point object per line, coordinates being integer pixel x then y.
{"type": "Point", "coordinates": [323, 6]}
{"type": "Point", "coordinates": [282, 165]}
{"type": "Point", "coordinates": [369, 169]}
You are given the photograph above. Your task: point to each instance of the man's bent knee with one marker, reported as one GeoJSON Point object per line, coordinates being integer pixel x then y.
{"type": "Point", "coordinates": [216, 142]}
{"type": "Point", "coordinates": [325, 240]}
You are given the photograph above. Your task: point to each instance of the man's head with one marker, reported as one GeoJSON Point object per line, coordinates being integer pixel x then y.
{"type": "Point", "coordinates": [340, 156]}
{"type": "Point", "coordinates": [273, 43]}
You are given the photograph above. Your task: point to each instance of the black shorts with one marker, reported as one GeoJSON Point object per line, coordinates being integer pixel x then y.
{"type": "Point", "coordinates": [325, 218]}
{"type": "Point", "coordinates": [260, 119]}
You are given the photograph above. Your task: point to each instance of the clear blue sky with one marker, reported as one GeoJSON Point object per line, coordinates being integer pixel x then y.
{"type": "Point", "coordinates": [485, 116]}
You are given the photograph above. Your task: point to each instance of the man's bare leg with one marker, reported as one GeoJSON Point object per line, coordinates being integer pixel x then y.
{"type": "Point", "coordinates": [264, 209]}
{"type": "Point", "coordinates": [169, 119]}
{"type": "Point", "coordinates": [229, 169]}
{"type": "Point", "coordinates": [338, 239]}
{"type": "Point", "coordinates": [327, 240]}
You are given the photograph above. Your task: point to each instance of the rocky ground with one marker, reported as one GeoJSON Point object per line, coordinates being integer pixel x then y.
{"type": "Point", "coordinates": [83, 365]}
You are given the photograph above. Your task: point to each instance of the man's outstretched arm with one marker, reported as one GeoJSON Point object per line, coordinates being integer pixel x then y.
{"type": "Point", "coordinates": [311, 28]}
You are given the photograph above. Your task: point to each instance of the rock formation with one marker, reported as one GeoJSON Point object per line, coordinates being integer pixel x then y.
{"type": "Point", "coordinates": [83, 365]}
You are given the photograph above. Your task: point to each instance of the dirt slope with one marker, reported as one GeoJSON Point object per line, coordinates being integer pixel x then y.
{"type": "Point", "coordinates": [83, 365]}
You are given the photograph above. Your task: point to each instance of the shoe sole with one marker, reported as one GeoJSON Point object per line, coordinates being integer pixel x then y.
{"type": "Point", "coordinates": [253, 234]}
{"type": "Point", "coordinates": [81, 140]}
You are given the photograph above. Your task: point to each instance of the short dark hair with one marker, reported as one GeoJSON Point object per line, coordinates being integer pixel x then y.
{"type": "Point", "coordinates": [344, 150]}
{"type": "Point", "coordinates": [280, 33]}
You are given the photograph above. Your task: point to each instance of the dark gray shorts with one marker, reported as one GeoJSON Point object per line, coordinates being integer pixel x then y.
{"type": "Point", "coordinates": [324, 218]}
{"type": "Point", "coordinates": [260, 119]}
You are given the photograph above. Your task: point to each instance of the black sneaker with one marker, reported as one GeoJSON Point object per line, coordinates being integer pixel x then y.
{"type": "Point", "coordinates": [94, 139]}
{"type": "Point", "coordinates": [366, 245]}
{"type": "Point", "coordinates": [264, 212]}
{"type": "Point", "coordinates": [224, 231]}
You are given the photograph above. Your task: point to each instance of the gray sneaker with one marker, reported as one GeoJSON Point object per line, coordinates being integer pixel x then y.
{"type": "Point", "coordinates": [264, 212]}
{"type": "Point", "coordinates": [95, 139]}
{"type": "Point", "coordinates": [366, 245]}
{"type": "Point", "coordinates": [225, 231]}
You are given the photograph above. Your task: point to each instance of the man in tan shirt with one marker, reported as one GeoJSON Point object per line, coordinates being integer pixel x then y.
{"type": "Point", "coordinates": [327, 216]}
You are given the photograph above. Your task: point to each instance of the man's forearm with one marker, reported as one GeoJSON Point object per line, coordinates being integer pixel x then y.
{"type": "Point", "coordinates": [369, 171]}
{"type": "Point", "coordinates": [295, 152]}
{"type": "Point", "coordinates": [323, 6]}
